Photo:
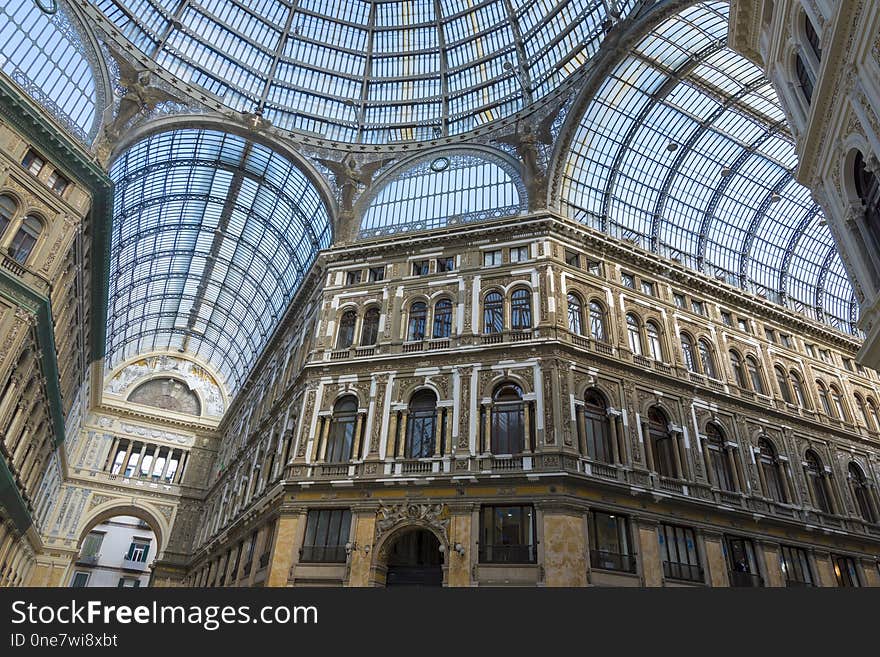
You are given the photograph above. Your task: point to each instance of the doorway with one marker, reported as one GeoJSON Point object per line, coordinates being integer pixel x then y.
{"type": "Point", "coordinates": [415, 560]}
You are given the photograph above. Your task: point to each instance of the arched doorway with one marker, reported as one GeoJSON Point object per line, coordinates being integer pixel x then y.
{"type": "Point", "coordinates": [415, 559]}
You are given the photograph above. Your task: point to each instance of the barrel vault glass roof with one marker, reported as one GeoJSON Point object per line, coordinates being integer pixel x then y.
{"type": "Point", "coordinates": [46, 56]}
{"type": "Point", "coordinates": [212, 236]}
{"type": "Point", "coordinates": [372, 71]}
{"type": "Point", "coordinates": [685, 150]}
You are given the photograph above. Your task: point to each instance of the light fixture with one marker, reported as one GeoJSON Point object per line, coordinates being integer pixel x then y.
{"type": "Point", "coordinates": [725, 171]}
{"type": "Point", "coordinates": [672, 147]}
{"type": "Point", "coordinates": [458, 547]}
{"type": "Point", "coordinates": [349, 547]}
{"type": "Point", "coordinates": [775, 197]}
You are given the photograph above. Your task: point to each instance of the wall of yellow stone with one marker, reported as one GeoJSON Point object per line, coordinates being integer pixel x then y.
{"type": "Point", "coordinates": [565, 548]}
{"type": "Point", "coordinates": [361, 560]}
{"type": "Point", "coordinates": [772, 572]}
{"type": "Point", "coordinates": [459, 569]}
{"type": "Point", "coordinates": [285, 548]}
{"type": "Point", "coordinates": [649, 547]}
{"type": "Point", "coordinates": [716, 565]}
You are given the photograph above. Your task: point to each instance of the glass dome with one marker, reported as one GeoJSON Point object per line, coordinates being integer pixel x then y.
{"type": "Point", "coordinates": [370, 71]}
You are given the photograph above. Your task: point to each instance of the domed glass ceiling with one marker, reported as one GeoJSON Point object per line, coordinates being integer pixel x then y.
{"type": "Point", "coordinates": [369, 70]}
{"type": "Point", "coordinates": [685, 151]}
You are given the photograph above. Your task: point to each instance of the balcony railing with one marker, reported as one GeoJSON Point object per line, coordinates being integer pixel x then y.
{"type": "Point", "coordinates": [684, 571]}
{"type": "Point", "coordinates": [797, 583]}
{"type": "Point", "coordinates": [613, 561]}
{"type": "Point", "coordinates": [88, 559]}
{"type": "Point", "coordinates": [323, 554]}
{"type": "Point", "coordinates": [741, 579]}
{"type": "Point", "coordinates": [507, 554]}
{"type": "Point", "coordinates": [133, 564]}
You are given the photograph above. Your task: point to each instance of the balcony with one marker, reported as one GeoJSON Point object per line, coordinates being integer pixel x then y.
{"type": "Point", "coordinates": [683, 571]}
{"type": "Point", "coordinates": [745, 580]}
{"type": "Point", "coordinates": [605, 560]}
{"type": "Point", "coordinates": [322, 554]}
{"type": "Point", "coordinates": [133, 564]}
{"type": "Point", "coordinates": [88, 559]}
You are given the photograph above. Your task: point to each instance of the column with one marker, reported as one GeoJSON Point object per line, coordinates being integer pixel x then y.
{"type": "Point", "coordinates": [676, 453]}
{"type": "Point", "coordinates": [527, 429]}
{"type": "Point", "coordinates": [649, 551]}
{"type": "Point", "coordinates": [178, 476]}
{"type": "Point", "coordinates": [710, 471]}
{"type": "Point", "coordinates": [325, 434]}
{"type": "Point", "coordinates": [124, 466]}
{"type": "Point", "coordinates": [649, 448]}
{"type": "Point", "coordinates": [734, 471]}
{"type": "Point", "coordinates": [811, 494]}
{"type": "Point", "coordinates": [438, 432]}
{"type": "Point", "coordinates": [450, 444]}
{"type": "Point", "coordinates": [831, 492]}
{"type": "Point", "coordinates": [487, 428]}
{"type": "Point", "coordinates": [391, 446]}
{"type": "Point", "coordinates": [358, 438]}
{"type": "Point", "coordinates": [615, 448]}
{"type": "Point", "coordinates": [166, 464]}
{"type": "Point", "coordinates": [784, 477]}
{"type": "Point", "coordinates": [401, 439]}
{"type": "Point", "coordinates": [581, 429]}
{"type": "Point", "coordinates": [140, 461]}
{"type": "Point", "coordinates": [111, 457]}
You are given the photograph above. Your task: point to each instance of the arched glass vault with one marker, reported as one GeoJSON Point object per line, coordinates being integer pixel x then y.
{"type": "Point", "coordinates": [685, 150]}
{"type": "Point", "coordinates": [372, 71]}
{"type": "Point", "coordinates": [212, 236]}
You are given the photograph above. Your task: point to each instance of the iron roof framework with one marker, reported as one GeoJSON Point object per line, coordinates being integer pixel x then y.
{"type": "Point", "coordinates": [371, 71]}
{"type": "Point", "coordinates": [685, 151]}
{"type": "Point", "coordinates": [213, 234]}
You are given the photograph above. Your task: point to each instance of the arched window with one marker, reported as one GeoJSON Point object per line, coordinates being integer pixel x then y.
{"type": "Point", "coordinates": [370, 330]}
{"type": "Point", "coordinates": [655, 344]}
{"type": "Point", "coordinates": [867, 185]}
{"type": "Point", "coordinates": [719, 460]}
{"type": "Point", "coordinates": [797, 389]}
{"type": "Point", "coordinates": [707, 358]}
{"type": "Point", "coordinates": [812, 37]}
{"type": "Point", "coordinates": [687, 352]}
{"type": "Point", "coordinates": [804, 77]}
{"type": "Point", "coordinates": [508, 420]}
{"type": "Point", "coordinates": [346, 329]}
{"type": "Point", "coordinates": [8, 208]}
{"type": "Point", "coordinates": [25, 239]}
{"type": "Point", "coordinates": [421, 425]}
{"type": "Point", "coordinates": [661, 442]}
{"type": "Point", "coordinates": [773, 471]}
{"type": "Point", "coordinates": [521, 310]}
{"type": "Point", "coordinates": [493, 313]}
{"type": "Point", "coordinates": [575, 314]}
{"type": "Point", "coordinates": [837, 402]}
{"type": "Point", "coordinates": [341, 436]}
{"type": "Point", "coordinates": [634, 332]}
{"type": "Point", "coordinates": [815, 474]}
{"type": "Point", "coordinates": [863, 411]}
{"type": "Point", "coordinates": [597, 322]}
{"type": "Point", "coordinates": [597, 429]}
{"type": "Point", "coordinates": [782, 382]}
{"type": "Point", "coordinates": [736, 366]}
{"type": "Point", "coordinates": [861, 495]}
{"type": "Point", "coordinates": [418, 316]}
{"type": "Point", "coordinates": [443, 318]}
{"type": "Point", "coordinates": [872, 410]}
{"type": "Point", "coordinates": [824, 399]}
{"type": "Point", "coordinates": [755, 378]}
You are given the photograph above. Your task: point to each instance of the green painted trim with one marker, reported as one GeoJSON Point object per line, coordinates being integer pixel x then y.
{"type": "Point", "coordinates": [31, 122]}
{"type": "Point", "coordinates": [20, 294]}
{"type": "Point", "coordinates": [11, 500]}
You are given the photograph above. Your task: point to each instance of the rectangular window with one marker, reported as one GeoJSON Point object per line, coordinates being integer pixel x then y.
{"type": "Point", "coordinates": [491, 258]}
{"type": "Point", "coordinates": [352, 277]}
{"type": "Point", "coordinates": [594, 267]}
{"type": "Point", "coordinates": [771, 334]}
{"type": "Point", "coordinates": [679, 300]}
{"type": "Point", "coordinates": [138, 551]}
{"type": "Point", "coordinates": [128, 583]}
{"type": "Point", "coordinates": [519, 253]}
{"type": "Point", "coordinates": [33, 162]}
{"type": "Point", "coordinates": [628, 280]}
{"type": "Point", "coordinates": [376, 274]}
{"type": "Point", "coordinates": [826, 355]}
{"type": "Point", "coordinates": [795, 566]}
{"type": "Point", "coordinates": [678, 550]}
{"type": "Point", "coordinates": [648, 288]}
{"type": "Point", "coordinates": [811, 350]}
{"type": "Point", "coordinates": [507, 534]}
{"type": "Point", "coordinates": [57, 183]}
{"type": "Point", "coordinates": [572, 258]}
{"type": "Point", "coordinates": [80, 580]}
{"type": "Point", "coordinates": [845, 571]}
{"type": "Point", "coordinates": [727, 318]}
{"type": "Point", "coordinates": [610, 542]}
{"type": "Point", "coordinates": [421, 267]}
{"type": "Point", "coordinates": [326, 536]}
{"type": "Point", "coordinates": [92, 544]}
{"type": "Point", "coordinates": [698, 307]}
{"type": "Point", "coordinates": [742, 566]}
{"type": "Point", "coordinates": [785, 340]}
{"type": "Point", "coordinates": [743, 325]}
{"type": "Point", "coordinates": [445, 264]}
{"type": "Point", "coordinates": [848, 364]}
